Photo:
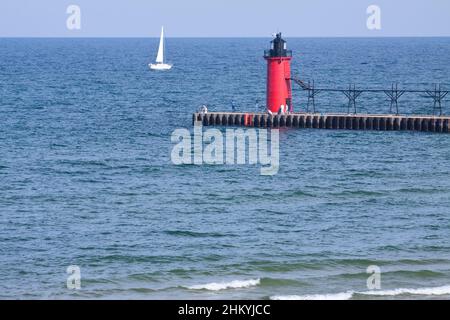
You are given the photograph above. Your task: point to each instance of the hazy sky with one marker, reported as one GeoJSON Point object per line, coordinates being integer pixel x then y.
{"type": "Point", "coordinates": [222, 18]}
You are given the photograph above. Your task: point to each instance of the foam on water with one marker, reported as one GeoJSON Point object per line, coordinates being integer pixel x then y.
{"type": "Point", "coordinates": [328, 296]}
{"type": "Point", "coordinates": [235, 284]}
{"type": "Point", "coordinates": [420, 291]}
{"type": "Point", "coordinates": [443, 290]}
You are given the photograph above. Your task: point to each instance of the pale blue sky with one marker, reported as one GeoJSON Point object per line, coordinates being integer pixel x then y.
{"type": "Point", "coordinates": [224, 18]}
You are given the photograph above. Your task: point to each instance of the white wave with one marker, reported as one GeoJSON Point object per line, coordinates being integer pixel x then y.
{"type": "Point", "coordinates": [420, 291]}
{"type": "Point", "coordinates": [329, 296]}
{"type": "Point", "coordinates": [349, 294]}
{"type": "Point", "coordinates": [215, 286]}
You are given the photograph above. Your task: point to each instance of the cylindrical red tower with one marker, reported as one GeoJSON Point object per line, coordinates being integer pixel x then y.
{"type": "Point", "coordinates": [279, 92]}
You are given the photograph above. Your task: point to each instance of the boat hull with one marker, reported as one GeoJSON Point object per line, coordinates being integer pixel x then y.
{"type": "Point", "coordinates": [160, 66]}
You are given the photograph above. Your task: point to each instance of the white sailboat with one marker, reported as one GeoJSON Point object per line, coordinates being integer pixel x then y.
{"type": "Point", "coordinates": [160, 65]}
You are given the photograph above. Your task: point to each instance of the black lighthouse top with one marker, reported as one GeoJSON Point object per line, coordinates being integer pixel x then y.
{"type": "Point", "coordinates": [278, 48]}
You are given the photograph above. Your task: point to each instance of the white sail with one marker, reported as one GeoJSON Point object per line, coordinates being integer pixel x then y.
{"type": "Point", "coordinates": [160, 65]}
{"type": "Point", "coordinates": [160, 56]}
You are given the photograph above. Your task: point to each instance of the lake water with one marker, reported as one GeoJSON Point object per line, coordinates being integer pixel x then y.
{"type": "Point", "coordinates": [86, 177]}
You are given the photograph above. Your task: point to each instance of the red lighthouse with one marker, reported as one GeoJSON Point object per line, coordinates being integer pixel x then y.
{"type": "Point", "coordinates": [279, 92]}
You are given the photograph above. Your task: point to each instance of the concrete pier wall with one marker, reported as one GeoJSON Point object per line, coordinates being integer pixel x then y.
{"type": "Point", "coordinates": [327, 121]}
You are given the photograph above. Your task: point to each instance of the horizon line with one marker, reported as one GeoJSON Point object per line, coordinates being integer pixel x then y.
{"type": "Point", "coordinates": [217, 37]}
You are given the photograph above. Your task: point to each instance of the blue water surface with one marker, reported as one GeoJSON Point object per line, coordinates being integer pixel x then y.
{"type": "Point", "coordinates": [86, 177]}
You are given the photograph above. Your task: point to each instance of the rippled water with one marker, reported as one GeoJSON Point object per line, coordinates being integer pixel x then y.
{"type": "Point", "coordinates": [86, 177]}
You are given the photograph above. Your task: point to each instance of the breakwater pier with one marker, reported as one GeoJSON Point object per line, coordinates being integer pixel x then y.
{"type": "Point", "coordinates": [381, 122]}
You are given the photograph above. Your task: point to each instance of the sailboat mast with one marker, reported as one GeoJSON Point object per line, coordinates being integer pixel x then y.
{"type": "Point", "coordinates": [162, 43]}
{"type": "Point", "coordinates": [160, 56]}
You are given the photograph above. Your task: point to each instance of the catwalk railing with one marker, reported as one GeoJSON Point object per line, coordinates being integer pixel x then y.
{"type": "Point", "coordinates": [437, 93]}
